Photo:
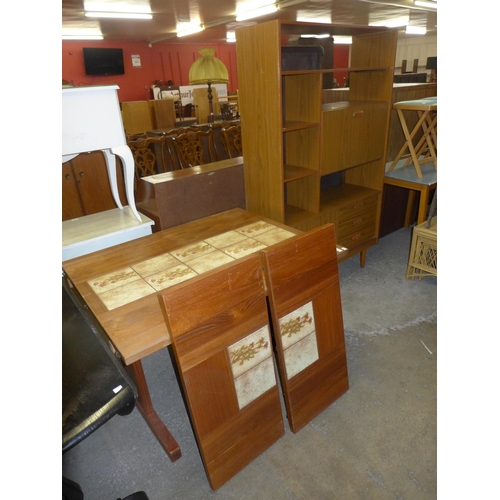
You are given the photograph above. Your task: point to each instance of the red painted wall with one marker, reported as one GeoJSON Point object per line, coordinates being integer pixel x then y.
{"type": "Point", "coordinates": [341, 60]}
{"type": "Point", "coordinates": [160, 62]}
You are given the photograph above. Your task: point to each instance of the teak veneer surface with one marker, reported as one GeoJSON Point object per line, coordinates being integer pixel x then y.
{"type": "Point", "coordinates": [138, 329]}
{"type": "Point", "coordinates": [207, 316]}
{"type": "Point", "coordinates": [302, 275]}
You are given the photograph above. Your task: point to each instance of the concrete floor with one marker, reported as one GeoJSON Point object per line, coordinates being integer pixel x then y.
{"type": "Point", "coordinates": [378, 441]}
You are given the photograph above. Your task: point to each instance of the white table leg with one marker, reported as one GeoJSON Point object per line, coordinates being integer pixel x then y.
{"type": "Point", "coordinates": [111, 166]}
{"type": "Point", "coordinates": [128, 171]}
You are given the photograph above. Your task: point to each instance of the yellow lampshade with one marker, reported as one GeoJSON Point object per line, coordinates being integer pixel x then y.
{"type": "Point", "coordinates": [207, 69]}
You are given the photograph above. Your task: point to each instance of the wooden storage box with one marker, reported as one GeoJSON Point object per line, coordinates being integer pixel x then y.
{"type": "Point", "coordinates": [423, 252]}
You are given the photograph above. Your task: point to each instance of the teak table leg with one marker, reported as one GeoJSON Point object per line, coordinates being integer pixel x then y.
{"type": "Point", "coordinates": [145, 406]}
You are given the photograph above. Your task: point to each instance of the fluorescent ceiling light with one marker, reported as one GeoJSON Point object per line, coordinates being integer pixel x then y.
{"type": "Point", "coordinates": [394, 22]}
{"type": "Point", "coordinates": [304, 17]}
{"type": "Point", "coordinates": [190, 30]}
{"type": "Point", "coordinates": [324, 35]}
{"type": "Point", "coordinates": [415, 30]}
{"type": "Point", "coordinates": [82, 37]}
{"type": "Point", "coordinates": [119, 15]}
{"type": "Point", "coordinates": [347, 40]}
{"type": "Point", "coordinates": [261, 11]}
{"type": "Point", "coordinates": [423, 3]}
{"type": "Point", "coordinates": [116, 6]}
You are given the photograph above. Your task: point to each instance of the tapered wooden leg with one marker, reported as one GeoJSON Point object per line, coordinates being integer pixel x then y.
{"type": "Point", "coordinates": [145, 406]}
{"type": "Point", "coordinates": [362, 258]}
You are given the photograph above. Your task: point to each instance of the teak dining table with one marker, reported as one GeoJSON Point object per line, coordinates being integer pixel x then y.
{"type": "Point", "coordinates": [121, 284]}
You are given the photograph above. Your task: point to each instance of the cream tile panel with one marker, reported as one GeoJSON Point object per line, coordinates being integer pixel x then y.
{"type": "Point", "coordinates": [113, 280]}
{"type": "Point", "coordinates": [185, 254]}
{"type": "Point", "coordinates": [243, 248]}
{"type": "Point", "coordinates": [170, 277]}
{"type": "Point", "coordinates": [225, 239]}
{"type": "Point", "coordinates": [255, 382]}
{"type": "Point", "coordinates": [122, 295]}
{"type": "Point", "coordinates": [274, 236]}
{"type": "Point", "coordinates": [301, 355]}
{"type": "Point", "coordinates": [209, 261]}
{"type": "Point", "coordinates": [152, 266]}
{"type": "Point", "coordinates": [250, 351]}
{"type": "Point", "coordinates": [251, 230]}
{"type": "Point", "coordinates": [296, 325]}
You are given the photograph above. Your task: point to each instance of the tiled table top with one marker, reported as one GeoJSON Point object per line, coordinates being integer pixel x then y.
{"type": "Point", "coordinates": [143, 278]}
{"type": "Point", "coordinates": [120, 284]}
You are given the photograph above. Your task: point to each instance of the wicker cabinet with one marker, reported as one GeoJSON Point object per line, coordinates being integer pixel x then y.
{"type": "Point", "coordinates": [309, 163]}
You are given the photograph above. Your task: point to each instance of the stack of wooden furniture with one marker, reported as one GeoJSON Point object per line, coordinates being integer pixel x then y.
{"type": "Point", "coordinates": [307, 164]}
{"type": "Point", "coordinates": [141, 116]}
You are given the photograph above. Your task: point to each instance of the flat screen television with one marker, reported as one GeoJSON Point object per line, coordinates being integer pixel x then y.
{"type": "Point", "coordinates": [103, 61]}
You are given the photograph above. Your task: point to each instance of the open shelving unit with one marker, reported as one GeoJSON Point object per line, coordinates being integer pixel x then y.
{"type": "Point", "coordinates": [307, 164]}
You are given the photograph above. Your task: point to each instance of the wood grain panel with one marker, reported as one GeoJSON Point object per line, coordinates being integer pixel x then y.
{"type": "Point", "coordinates": [260, 103]}
{"type": "Point", "coordinates": [214, 321]}
{"type": "Point", "coordinates": [302, 273]}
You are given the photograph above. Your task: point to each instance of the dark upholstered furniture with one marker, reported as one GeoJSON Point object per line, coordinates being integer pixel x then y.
{"type": "Point", "coordinates": [95, 386]}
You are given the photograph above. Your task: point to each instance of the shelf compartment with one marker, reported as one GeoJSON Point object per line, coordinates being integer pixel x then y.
{"type": "Point", "coordinates": [301, 94]}
{"type": "Point", "coordinates": [345, 195]}
{"type": "Point", "coordinates": [303, 193]}
{"type": "Point", "coordinates": [293, 173]}
{"type": "Point", "coordinates": [336, 205]}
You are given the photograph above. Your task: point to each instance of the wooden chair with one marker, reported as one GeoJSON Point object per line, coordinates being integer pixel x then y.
{"type": "Point", "coordinates": [231, 140]}
{"type": "Point", "coordinates": [152, 155]}
{"type": "Point", "coordinates": [195, 148]}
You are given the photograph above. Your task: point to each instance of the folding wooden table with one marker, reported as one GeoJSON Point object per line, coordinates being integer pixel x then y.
{"type": "Point", "coordinates": [426, 109]}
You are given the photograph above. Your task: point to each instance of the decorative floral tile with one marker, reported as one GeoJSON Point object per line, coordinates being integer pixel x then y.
{"type": "Point", "coordinates": [250, 351]}
{"type": "Point", "coordinates": [274, 236]}
{"type": "Point", "coordinates": [225, 239]}
{"type": "Point", "coordinates": [255, 228]}
{"type": "Point", "coordinates": [243, 248]}
{"type": "Point", "coordinates": [188, 252]}
{"type": "Point", "coordinates": [301, 355]}
{"type": "Point", "coordinates": [297, 324]}
{"type": "Point", "coordinates": [122, 295]}
{"type": "Point", "coordinates": [113, 280]}
{"type": "Point", "coordinates": [255, 382]}
{"type": "Point", "coordinates": [155, 265]}
{"type": "Point", "coordinates": [209, 261]}
{"type": "Point", "coordinates": [170, 277]}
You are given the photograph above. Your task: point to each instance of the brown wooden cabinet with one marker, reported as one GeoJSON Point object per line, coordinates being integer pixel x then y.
{"type": "Point", "coordinates": [306, 163]}
{"type": "Point", "coordinates": [85, 186]}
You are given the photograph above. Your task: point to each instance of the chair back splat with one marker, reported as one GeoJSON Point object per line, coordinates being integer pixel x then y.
{"type": "Point", "coordinates": [195, 148]}
{"type": "Point", "coordinates": [231, 140]}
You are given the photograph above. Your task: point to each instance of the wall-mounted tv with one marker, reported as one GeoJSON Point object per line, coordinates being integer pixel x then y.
{"type": "Point", "coordinates": [103, 61]}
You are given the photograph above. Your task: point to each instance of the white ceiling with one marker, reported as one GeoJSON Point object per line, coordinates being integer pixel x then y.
{"type": "Point", "coordinates": [219, 16]}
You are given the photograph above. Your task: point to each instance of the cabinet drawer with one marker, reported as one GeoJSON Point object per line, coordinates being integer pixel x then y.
{"type": "Point", "coordinates": [356, 224]}
{"type": "Point", "coordinates": [357, 208]}
{"type": "Point", "coordinates": [358, 237]}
